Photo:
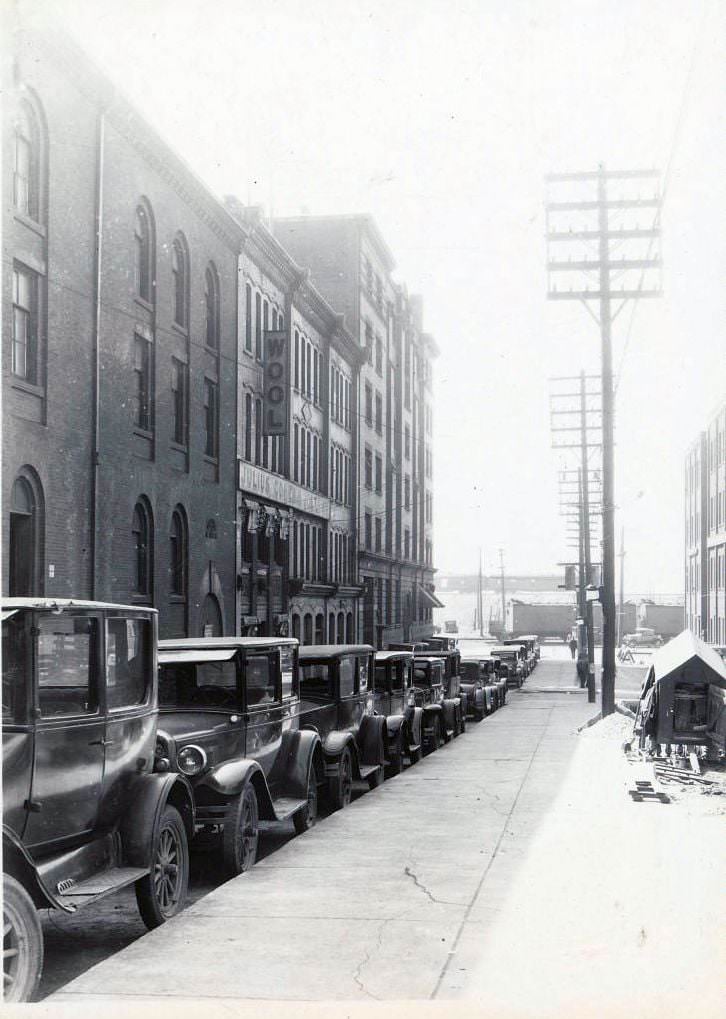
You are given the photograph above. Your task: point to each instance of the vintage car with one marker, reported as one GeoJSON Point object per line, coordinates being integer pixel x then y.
{"type": "Point", "coordinates": [451, 658]}
{"type": "Point", "coordinates": [533, 643]}
{"type": "Point", "coordinates": [336, 702]}
{"type": "Point", "coordinates": [511, 667]}
{"type": "Point", "coordinates": [394, 695]}
{"type": "Point", "coordinates": [443, 717]}
{"type": "Point", "coordinates": [526, 655]}
{"type": "Point", "coordinates": [644, 636]}
{"type": "Point", "coordinates": [440, 643]}
{"type": "Point", "coordinates": [228, 721]}
{"type": "Point", "coordinates": [83, 814]}
{"type": "Point", "coordinates": [482, 696]}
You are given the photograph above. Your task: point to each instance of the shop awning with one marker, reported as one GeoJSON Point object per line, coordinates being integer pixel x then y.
{"type": "Point", "coordinates": [429, 598]}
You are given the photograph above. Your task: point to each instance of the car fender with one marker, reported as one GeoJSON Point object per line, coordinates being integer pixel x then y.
{"type": "Point", "coordinates": [18, 863]}
{"type": "Point", "coordinates": [394, 724]}
{"type": "Point", "coordinates": [148, 795]}
{"type": "Point", "coordinates": [431, 711]}
{"type": "Point", "coordinates": [450, 705]}
{"type": "Point", "coordinates": [371, 739]}
{"type": "Point", "coordinates": [229, 778]}
{"type": "Point", "coordinates": [415, 726]}
{"type": "Point", "coordinates": [301, 749]}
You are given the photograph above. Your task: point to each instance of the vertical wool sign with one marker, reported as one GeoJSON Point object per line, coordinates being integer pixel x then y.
{"type": "Point", "coordinates": [276, 389]}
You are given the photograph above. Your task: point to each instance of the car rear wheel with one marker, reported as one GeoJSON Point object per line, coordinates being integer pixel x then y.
{"type": "Point", "coordinates": [306, 817]}
{"type": "Point", "coordinates": [395, 757]}
{"type": "Point", "coordinates": [22, 943]}
{"type": "Point", "coordinates": [432, 737]}
{"type": "Point", "coordinates": [241, 832]}
{"type": "Point", "coordinates": [162, 893]}
{"type": "Point", "coordinates": [340, 786]}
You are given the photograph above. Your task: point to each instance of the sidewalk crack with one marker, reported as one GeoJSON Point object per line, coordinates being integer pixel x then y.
{"type": "Point", "coordinates": [443, 902]}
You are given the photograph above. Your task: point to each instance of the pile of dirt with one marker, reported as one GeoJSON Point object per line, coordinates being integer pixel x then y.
{"type": "Point", "coordinates": [615, 728]}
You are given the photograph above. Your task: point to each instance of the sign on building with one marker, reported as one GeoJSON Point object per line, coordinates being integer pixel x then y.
{"type": "Point", "coordinates": [275, 403]}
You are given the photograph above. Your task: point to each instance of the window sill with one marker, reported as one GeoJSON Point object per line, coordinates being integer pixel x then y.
{"type": "Point", "coordinates": [27, 387]}
{"type": "Point", "coordinates": [177, 599]}
{"type": "Point", "coordinates": [145, 433]}
{"type": "Point", "coordinates": [181, 329]}
{"type": "Point", "coordinates": [141, 599]}
{"type": "Point", "coordinates": [214, 351]}
{"type": "Point", "coordinates": [32, 224]}
{"type": "Point", "coordinates": [214, 460]}
{"type": "Point", "coordinates": [180, 447]}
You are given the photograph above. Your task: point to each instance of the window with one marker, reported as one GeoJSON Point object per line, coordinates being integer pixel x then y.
{"type": "Point", "coordinates": [258, 432]}
{"type": "Point", "coordinates": [178, 554]}
{"type": "Point", "coordinates": [407, 492]}
{"type": "Point", "coordinates": [248, 427]}
{"type": "Point", "coordinates": [406, 544]}
{"type": "Point", "coordinates": [211, 308]}
{"type": "Point", "coordinates": [379, 355]}
{"type": "Point", "coordinates": [379, 474]}
{"type": "Point", "coordinates": [142, 371]}
{"type": "Point", "coordinates": [297, 359]}
{"type": "Point", "coordinates": [379, 413]}
{"type": "Point", "coordinates": [179, 388]}
{"type": "Point", "coordinates": [368, 534]}
{"type": "Point", "coordinates": [346, 672]}
{"type": "Point", "coordinates": [211, 418]}
{"type": "Point", "coordinates": [369, 405]}
{"type": "Point", "coordinates": [128, 662]}
{"type": "Point", "coordinates": [68, 665]}
{"type": "Point", "coordinates": [258, 327]}
{"type": "Point", "coordinates": [378, 534]}
{"type": "Point", "coordinates": [260, 680]}
{"type": "Point", "coordinates": [248, 318]}
{"type": "Point", "coordinates": [144, 254]}
{"type": "Point", "coordinates": [287, 661]}
{"type": "Point", "coordinates": [407, 442]}
{"type": "Point", "coordinates": [26, 170]}
{"type": "Point", "coordinates": [25, 325]}
{"type": "Point", "coordinates": [368, 468]}
{"type": "Point", "coordinates": [180, 275]}
{"type": "Point", "coordinates": [142, 550]}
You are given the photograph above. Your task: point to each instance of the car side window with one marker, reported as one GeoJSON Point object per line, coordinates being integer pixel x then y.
{"type": "Point", "coordinates": [362, 674]}
{"type": "Point", "coordinates": [16, 672]}
{"type": "Point", "coordinates": [287, 671]}
{"type": "Point", "coordinates": [128, 662]}
{"type": "Point", "coordinates": [260, 679]}
{"type": "Point", "coordinates": [346, 669]}
{"type": "Point", "coordinates": [398, 675]}
{"type": "Point", "coordinates": [67, 657]}
{"type": "Point", "coordinates": [315, 682]}
{"type": "Point", "coordinates": [381, 684]}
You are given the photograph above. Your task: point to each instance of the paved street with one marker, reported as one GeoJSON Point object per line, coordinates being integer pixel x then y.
{"type": "Point", "coordinates": [374, 901]}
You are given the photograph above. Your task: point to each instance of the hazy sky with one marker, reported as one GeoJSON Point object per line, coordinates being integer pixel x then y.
{"type": "Point", "coordinates": [441, 119]}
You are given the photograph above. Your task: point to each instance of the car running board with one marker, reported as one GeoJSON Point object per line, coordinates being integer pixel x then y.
{"type": "Point", "coordinates": [286, 806]}
{"type": "Point", "coordinates": [98, 886]}
{"type": "Point", "coordinates": [368, 769]}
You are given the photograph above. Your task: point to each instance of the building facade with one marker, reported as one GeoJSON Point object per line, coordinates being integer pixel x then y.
{"type": "Point", "coordinates": [705, 532]}
{"type": "Point", "coordinates": [352, 266]}
{"type": "Point", "coordinates": [119, 387]}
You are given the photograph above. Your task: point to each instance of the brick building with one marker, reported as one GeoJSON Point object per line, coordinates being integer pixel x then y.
{"type": "Point", "coordinates": [119, 380]}
{"type": "Point", "coordinates": [705, 532]}
{"type": "Point", "coordinates": [351, 265]}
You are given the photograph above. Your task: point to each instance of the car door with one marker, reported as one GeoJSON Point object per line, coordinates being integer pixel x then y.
{"type": "Point", "coordinates": [69, 731]}
{"type": "Point", "coordinates": [263, 707]}
{"type": "Point", "coordinates": [349, 703]}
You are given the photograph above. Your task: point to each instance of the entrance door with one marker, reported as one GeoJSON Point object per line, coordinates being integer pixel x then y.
{"type": "Point", "coordinates": [21, 559]}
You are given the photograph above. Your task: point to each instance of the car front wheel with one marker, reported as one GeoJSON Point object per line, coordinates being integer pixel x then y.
{"type": "Point", "coordinates": [162, 893]}
{"type": "Point", "coordinates": [306, 817]}
{"type": "Point", "coordinates": [340, 786]}
{"type": "Point", "coordinates": [22, 943]}
{"type": "Point", "coordinates": [241, 832]}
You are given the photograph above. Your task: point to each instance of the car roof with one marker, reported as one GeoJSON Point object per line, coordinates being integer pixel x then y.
{"type": "Point", "coordinates": [70, 603]}
{"type": "Point", "coordinates": [333, 650]}
{"type": "Point", "coordinates": [387, 656]}
{"type": "Point", "coordinates": [421, 656]}
{"type": "Point", "coordinates": [209, 643]}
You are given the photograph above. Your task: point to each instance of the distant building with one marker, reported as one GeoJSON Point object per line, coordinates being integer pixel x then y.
{"type": "Point", "coordinates": [705, 532]}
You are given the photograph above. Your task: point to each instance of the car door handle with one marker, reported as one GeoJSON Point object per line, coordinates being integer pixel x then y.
{"type": "Point", "coordinates": [102, 742]}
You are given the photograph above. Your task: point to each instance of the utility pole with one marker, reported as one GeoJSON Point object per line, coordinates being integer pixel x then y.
{"type": "Point", "coordinates": [504, 600]}
{"type": "Point", "coordinates": [584, 232]}
{"type": "Point", "coordinates": [585, 488]}
{"type": "Point", "coordinates": [621, 607]}
{"type": "Point", "coordinates": [479, 601]}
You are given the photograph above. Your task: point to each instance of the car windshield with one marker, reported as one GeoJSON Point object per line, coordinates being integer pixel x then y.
{"type": "Point", "coordinates": [198, 685]}
{"type": "Point", "coordinates": [15, 674]}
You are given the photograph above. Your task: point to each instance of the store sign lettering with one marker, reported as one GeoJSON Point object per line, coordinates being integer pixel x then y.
{"type": "Point", "coordinates": [275, 397]}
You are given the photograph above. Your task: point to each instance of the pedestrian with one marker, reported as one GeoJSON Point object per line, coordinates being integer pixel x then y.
{"type": "Point", "coordinates": [573, 646]}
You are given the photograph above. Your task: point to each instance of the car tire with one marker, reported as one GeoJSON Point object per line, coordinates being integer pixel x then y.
{"type": "Point", "coordinates": [22, 943]}
{"type": "Point", "coordinates": [431, 742]}
{"type": "Point", "coordinates": [395, 757]}
{"type": "Point", "coordinates": [340, 786]}
{"type": "Point", "coordinates": [241, 834]}
{"type": "Point", "coordinates": [162, 893]}
{"type": "Point", "coordinates": [305, 818]}
{"type": "Point", "coordinates": [478, 714]}
{"type": "Point", "coordinates": [376, 778]}
{"type": "Point", "coordinates": [414, 756]}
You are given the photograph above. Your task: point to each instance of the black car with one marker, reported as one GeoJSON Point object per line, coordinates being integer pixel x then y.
{"type": "Point", "coordinates": [482, 695]}
{"type": "Point", "coordinates": [83, 814]}
{"type": "Point", "coordinates": [395, 697]}
{"type": "Point", "coordinates": [453, 699]}
{"type": "Point", "coordinates": [229, 721]}
{"type": "Point", "coordinates": [441, 716]}
{"type": "Point", "coordinates": [511, 667]}
{"type": "Point", "coordinates": [336, 702]}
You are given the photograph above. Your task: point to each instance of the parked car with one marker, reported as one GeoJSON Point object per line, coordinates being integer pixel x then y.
{"type": "Point", "coordinates": [525, 655]}
{"type": "Point", "coordinates": [511, 667]}
{"type": "Point", "coordinates": [229, 722]}
{"type": "Point", "coordinates": [394, 695]}
{"type": "Point", "coordinates": [643, 637]}
{"type": "Point", "coordinates": [336, 702]}
{"type": "Point", "coordinates": [482, 696]}
{"type": "Point", "coordinates": [439, 643]}
{"type": "Point", "coordinates": [83, 814]}
{"type": "Point", "coordinates": [454, 699]}
{"type": "Point", "coordinates": [442, 716]}
{"type": "Point", "coordinates": [533, 648]}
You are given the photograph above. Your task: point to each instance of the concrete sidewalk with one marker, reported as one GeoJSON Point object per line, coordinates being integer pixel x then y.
{"type": "Point", "coordinates": [371, 903]}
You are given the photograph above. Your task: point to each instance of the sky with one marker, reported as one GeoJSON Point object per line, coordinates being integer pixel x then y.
{"type": "Point", "coordinates": [441, 119]}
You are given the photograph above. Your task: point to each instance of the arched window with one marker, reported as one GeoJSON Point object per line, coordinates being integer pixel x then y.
{"type": "Point", "coordinates": [180, 273]}
{"type": "Point", "coordinates": [331, 628]}
{"type": "Point", "coordinates": [27, 163]}
{"type": "Point", "coordinates": [320, 628]}
{"type": "Point", "coordinates": [308, 628]}
{"type": "Point", "coordinates": [178, 553]}
{"type": "Point", "coordinates": [25, 573]}
{"type": "Point", "coordinates": [341, 628]}
{"type": "Point", "coordinates": [144, 253]}
{"type": "Point", "coordinates": [210, 529]}
{"type": "Point", "coordinates": [211, 307]}
{"type": "Point", "coordinates": [141, 533]}
{"type": "Point", "coordinates": [296, 625]}
{"type": "Point", "coordinates": [349, 639]}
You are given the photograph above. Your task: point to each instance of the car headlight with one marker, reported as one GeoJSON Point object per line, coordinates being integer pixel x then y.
{"type": "Point", "coordinates": [191, 759]}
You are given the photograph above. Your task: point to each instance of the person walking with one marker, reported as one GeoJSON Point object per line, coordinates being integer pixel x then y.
{"type": "Point", "coordinates": [573, 646]}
